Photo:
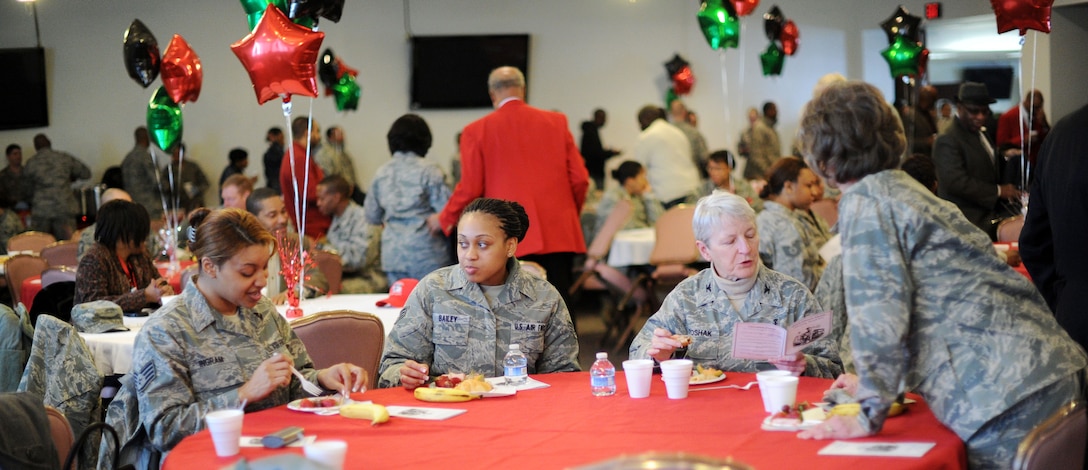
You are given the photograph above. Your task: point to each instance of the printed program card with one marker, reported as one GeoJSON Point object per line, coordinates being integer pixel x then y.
{"type": "Point", "coordinates": [878, 449]}
{"type": "Point", "coordinates": [421, 412]}
{"type": "Point", "coordinates": [762, 341]}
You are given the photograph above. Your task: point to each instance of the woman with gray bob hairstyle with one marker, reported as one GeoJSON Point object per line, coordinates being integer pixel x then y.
{"type": "Point", "coordinates": [931, 308]}
{"type": "Point", "coordinates": [702, 311]}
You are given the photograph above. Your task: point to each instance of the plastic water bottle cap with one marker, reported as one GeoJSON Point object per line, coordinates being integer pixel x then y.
{"type": "Point", "coordinates": [602, 355]}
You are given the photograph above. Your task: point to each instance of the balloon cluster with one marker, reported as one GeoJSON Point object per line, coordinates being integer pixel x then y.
{"type": "Point", "coordinates": [302, 12]}
{"type": "Point", "coordinates": [720, 24]}
{"type": "Point", "coordinates": [182, 77]}
{"type": "Point", "coordinates": [339, 81]}
{"type": "Point", "coordinates": [906, 54]}
{"type": "Point", "coordinates": [682, 77]}
{"type": "Point", "coordinates": [783, 34]}
{"type": "Point", "coordinates": [1022, 15]}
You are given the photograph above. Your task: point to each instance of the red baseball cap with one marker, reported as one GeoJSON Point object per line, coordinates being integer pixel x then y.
{"type": "Point", "coordinates": [398, 293]}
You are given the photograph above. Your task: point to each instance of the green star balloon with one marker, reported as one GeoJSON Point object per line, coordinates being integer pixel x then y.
{"type": "Point", "coordinates": [255, 11]}
{"type": "Point", "coordinates": [903, 56]}
{"type": "Point", "coordinates": [164, 120]}
{"type": "Point", "coordinates": [346, 93]}
{"type": "Point", "coordinates": [719, 23]}
{"type": "Point", "coordinates": [772, 60]}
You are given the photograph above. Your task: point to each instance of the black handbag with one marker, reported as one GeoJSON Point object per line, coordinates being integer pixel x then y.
{"type": "Point", "coordinates": [77, 448]}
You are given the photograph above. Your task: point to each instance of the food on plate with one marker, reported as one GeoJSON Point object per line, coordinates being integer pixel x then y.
{"type": "Point", "coordinates": [449, 380]}
{"type": "Point", "coordinates": [376, 413]}
{"type": "Point", "coordinates": [318, 402]}
{"type": "Point", "coordinates": [684, 340]}
{"type": "Point", "coordinates": [441, 395]}
{"type": "Point", "coordinates": [704, 374]}
{"type": "Point", "coordinates": [474, 383]}
{"type": "Point", "coordinates": [852, 409]}
{"type": "Point", "coordinates": [793, 412]}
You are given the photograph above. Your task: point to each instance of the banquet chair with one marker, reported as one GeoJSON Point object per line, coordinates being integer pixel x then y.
{"type": "Point", "coordinates": [1008, 230]}
{"type": "Point", "coordinates": [674, 251]}
{"type": "Point", "coordinates": [1058, 442]}
{"type": "Point", "coordinates": [63, 253]}
{"type": "Point", "coordinates": [827, 209]}
{"type": "Point", "coordinates": [534, 268]}
{"type": "Point", "coordinates": [61, 431]}
{"type": "Point", "coordinates": [30, 241]}
{"type": "Point", "coordinates": [17, 269]}
{"type": "Point", "coordinates": [54, 274]}
{"type": "Point", "coordinates": [330, 265]}
{"type": "Point", "coordinates": [343, 336]}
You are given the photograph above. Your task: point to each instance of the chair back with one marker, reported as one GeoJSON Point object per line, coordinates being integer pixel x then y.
{"type": "Point", "coordinates": [602, 241]}
{"type": "Point", "coordinates": [330, 265]}
{"type": "Point", "coordinates": [54, 274]}
{"type": "Point", "coordinates": [30, 241]}
{"type": "Point", "coordinates": [675, 239]}
{"type": "Point", "coordinates": [343, 336]}
{"type": "Point", "coordinates": [1008, 230]}
{"type": "Point", "coordinates": [17, 269]}
{"type": "Point", "coordinates": [61, 431]}
{"type": "Point", "coordinates": [826, 209]}
{"type": "Point", "coordinates": [1058, 442]}
{"type": "Point", "coordinates": [63, 253]}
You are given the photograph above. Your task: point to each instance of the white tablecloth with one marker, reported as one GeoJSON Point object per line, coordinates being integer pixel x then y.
{"type": "Point", "coordinates": [113, 351]}
{"type": "Point", "coordinates": [632, 247]}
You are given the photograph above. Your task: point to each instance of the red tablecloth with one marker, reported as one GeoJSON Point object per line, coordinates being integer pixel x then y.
{"type": "Point", "coordinates": [564, 426]}
{"type": "Point", "coordinates": [32, 285]}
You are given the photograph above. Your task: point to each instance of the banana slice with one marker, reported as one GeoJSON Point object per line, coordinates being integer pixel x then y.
{"type": "Point", "coordinates": [376, 413]}
{"type": "Point", "coordinates": [442, 395]}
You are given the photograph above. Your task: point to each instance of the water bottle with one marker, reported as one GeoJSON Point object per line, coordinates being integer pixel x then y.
{"type": "Point", "coordinates": [602, 376]}
{"type": "Point", "coordinates": [515, 366]}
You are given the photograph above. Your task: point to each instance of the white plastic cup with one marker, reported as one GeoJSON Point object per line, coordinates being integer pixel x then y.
{"type": "Point", "coordinates": [638, 373]}
{"type": "Point", "coordinates": [226, 429]}
{"type": "Point", "coordinates": [330, 453]}
{"type": "Point", "coordinates": [764, 375]}
{"type": "Point", "coordinates": [676, 368]}
{"type": "Point", "coordinates": [677, 387]}
{"type": "Point", "coordinates": [779, 392]}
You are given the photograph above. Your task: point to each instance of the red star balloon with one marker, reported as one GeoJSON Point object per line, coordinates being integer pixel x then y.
{"type": "Point", "coordinates": [1022, 15]}
{"type": "Point", "coordinates": [182, 74]}
{"type": "Point", "coordinates": [745, 7]}
{"type": "Point", "coordinates": [280, 56]}
{"type": "Point", "coordinates": [683, 80]}
{"type": "Point", "coordinates": [789, 37]}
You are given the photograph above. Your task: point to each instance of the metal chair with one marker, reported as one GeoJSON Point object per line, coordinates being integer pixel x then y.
{"type": "Point", "coordinates": [63, 253]}
{"type": "Point", "coordinates": [17, 269]}
{"type": "Point", "coordinates": [332, 267]}
{"type": "Point", "coordinates": [343, 336]}
{"type": "Point", "coordinates": [30, 241]}
{"type": "Point", "coordinates": [1058, 442]}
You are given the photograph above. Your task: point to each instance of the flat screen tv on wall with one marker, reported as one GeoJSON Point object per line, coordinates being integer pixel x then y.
{"type": "Point", "coordinates": [23, 88]}
{"type": "Point", "coordinates": [450, 72]}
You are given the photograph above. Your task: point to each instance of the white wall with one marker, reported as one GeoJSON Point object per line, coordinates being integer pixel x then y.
{"type": "Point", "coordinates": [585, 54]}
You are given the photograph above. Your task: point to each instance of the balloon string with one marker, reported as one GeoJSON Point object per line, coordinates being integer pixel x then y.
{"type": "Point", "coordinates": [912, 100]}
{"type": "Point", "coordinates": [725, 91]}
{"type": "Point", "coordinates": [1026, 171]}
{"type": "Point", "coordinates": [158, 182]}
{"type": "Point", "coordinates": [306, 184]}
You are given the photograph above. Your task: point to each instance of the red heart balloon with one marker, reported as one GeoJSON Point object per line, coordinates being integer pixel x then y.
{"type": "Point", "coordinates": [683, 80]}
{"type": "Point", "coordinates": [1022, 15]}
{"type": "Point", "coordinates": [789, 37]}
{"type": "Point", "coordinates": [280, 56]}
{"type": "Point", "coordinates": [182, 74]}
{"type": "Point", "coordinates": [745, 7]}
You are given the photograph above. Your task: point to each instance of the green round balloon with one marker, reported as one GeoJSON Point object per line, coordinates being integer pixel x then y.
{"type": "Point", "coordinates": [255, 11]}
{"type": "Point", "coordinates": [346, 93]}
{"type": "Point", "coordinates": [164, 120]}
{"type": "Point", "coordinates": [772, 60]}
{"type": "Point", "coordinates": [903, 56]}
{"type": "Point", "coordinates": [719, 23]}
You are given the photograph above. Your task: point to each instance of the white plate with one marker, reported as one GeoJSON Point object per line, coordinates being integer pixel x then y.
{"type": "Point", "coordinates": [295, 405]}
{"type": "Point", "coordinates": [497, 391]}
{"type": "Point", "coordinates": [719, 378]}
{"type": "Point", "coordinates": [788, 424]}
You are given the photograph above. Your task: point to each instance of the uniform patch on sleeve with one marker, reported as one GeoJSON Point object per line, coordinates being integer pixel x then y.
{"type": "Point", "coordinates": [145, 376]}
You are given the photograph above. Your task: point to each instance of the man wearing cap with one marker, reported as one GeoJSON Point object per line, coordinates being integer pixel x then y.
{"type": "Point", "coordinates": [968, 169]}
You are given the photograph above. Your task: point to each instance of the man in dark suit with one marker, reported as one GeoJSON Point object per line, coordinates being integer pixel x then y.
{"type": "Point", "coordinates": [593, 151]}
{"type": "Point", "coordinates": [1052, 242]}
{"type": "Point", "coordinates": [968, 170]}
{"type": "Point", "coordinates": [524, 154]}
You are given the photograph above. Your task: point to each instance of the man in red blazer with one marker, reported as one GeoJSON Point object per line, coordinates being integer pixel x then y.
{"type": "Point", "coordinates": [524, 154]}
{"type": "Point", "coordinates": [317, 224]}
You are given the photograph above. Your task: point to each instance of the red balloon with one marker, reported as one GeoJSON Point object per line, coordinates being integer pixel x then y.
{"type": "Point", "coordinates": [345, 70]}
{"type": "Point", "coordinates": [923, 62]}
{"type": "Point", "coordinates": [280, 56]}
{"type": "Point", "coordinates": [745, 7]}
{"type": "Point", "coordinates": [789, 37]}
{"type": "Point", "coordinates": [683, 80]}
{"type": "Point", "coordinates": [1022, 15]}
{"type": "Point", "coordinates": [182, 74]}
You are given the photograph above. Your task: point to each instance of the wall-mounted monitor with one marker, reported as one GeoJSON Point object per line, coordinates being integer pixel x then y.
{"type": "Point", "coordinates": [23, 88]}
{"type": "Point", "coordinates": [998, 80]}
{"type": "Point", "coordinates": [450, 72]}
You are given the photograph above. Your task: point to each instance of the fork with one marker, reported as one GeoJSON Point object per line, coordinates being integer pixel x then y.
{"type": "Point", "coordinates": [308, 386]}
{"type": "Point", "coordinates": [738, 387]}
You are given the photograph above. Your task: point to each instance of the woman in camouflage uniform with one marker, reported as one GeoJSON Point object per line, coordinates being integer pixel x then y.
{"type": "Point", "coordinates": [931, 307]}
{"type": "Point", "coordinates": [462, 318]}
